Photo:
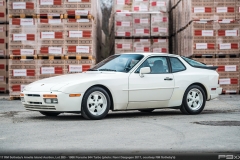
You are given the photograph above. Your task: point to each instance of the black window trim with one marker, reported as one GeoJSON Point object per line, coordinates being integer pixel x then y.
{"type": "Point", "coordinates": [167, 58]}
{"type": "Point", "coordinates": [169, 64]}
{"type": "Point", "coordinates": [180, 61]}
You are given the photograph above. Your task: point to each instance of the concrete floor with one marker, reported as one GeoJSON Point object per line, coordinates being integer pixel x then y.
{"type": "Point", "coordinates": [216, 130]}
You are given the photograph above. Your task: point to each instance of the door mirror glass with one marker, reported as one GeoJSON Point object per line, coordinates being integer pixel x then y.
{"type": "Point", "coordinates": [144, 70]}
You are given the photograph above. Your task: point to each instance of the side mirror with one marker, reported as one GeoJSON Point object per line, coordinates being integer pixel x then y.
{"type": "Point", "coordinates": [144, 70]}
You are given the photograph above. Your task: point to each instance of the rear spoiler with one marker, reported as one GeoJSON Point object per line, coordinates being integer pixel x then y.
{"type": "Point", "coordinates": [207, 67]}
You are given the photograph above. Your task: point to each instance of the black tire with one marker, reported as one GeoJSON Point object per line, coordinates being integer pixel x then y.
{"type": "Point", "coordinates": [146, 110]}
{"type": "Point", "coordinates": [84, 114]}
{"type": "Point", "coordinates": [86, 107]}
{"type": "Point", "coordinates": [183, 110]}
{"type": "Point", "coordinates": [50, 114]}
{"type": "Point", "coordinates": [195, 103]}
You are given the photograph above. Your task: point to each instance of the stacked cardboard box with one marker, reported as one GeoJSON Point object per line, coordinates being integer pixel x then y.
{"type": "Point", "coordinates": [50, 38]}
{"type": "Point", "coordinates": [141, 26]}
{"type": "Point", "coordinates": [209, 29]}
{"type": "Point", "coordinates": [3, 11]}
{"type": "Point", "coordinates": [3, 47]}
{"type": "Point", "coordinates": [237, 11]}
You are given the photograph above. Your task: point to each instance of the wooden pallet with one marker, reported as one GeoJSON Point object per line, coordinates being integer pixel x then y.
{"type": "Point", "coordinates": [67, 16]}
{"type": "Point", "coordinates": [14, 98]}
{"type": "Point", "coordinates": [14, 57]}
{"type": "Point", "coordinates": [230, 93]}
{"type": "Point", "coordinates": [227, 56]}
{"type": "Point", "coordinates": [52, 57]}
{"type": "Point", "coordinates": [3, 57]}
{"type": "Point", "coordinates": [23, 16]}
{"type": "Point", "coordinates": [4, 92]}
{"type": "Point", "coordinates": [78, 57]}
{"type": "Point", "coordinates": [35, 16]}
{"type": "Point", "coordinates": [203, 56]}
{"type": "Point", "coordinates": [40, 16]}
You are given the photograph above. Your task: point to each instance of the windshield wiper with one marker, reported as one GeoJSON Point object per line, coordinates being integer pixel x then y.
{"type": "Point", "coordinates": [92, 70]}
{"type": "Point", "coordinates": [107, 70]}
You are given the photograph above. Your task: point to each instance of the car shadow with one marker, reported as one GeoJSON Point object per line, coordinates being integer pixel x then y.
{"type": "Point", "coordinates": [112, 115]}
{"type": "Point", "coordinates": [121, 115]}
{"type": "Point", "coordinates": [137, 114]}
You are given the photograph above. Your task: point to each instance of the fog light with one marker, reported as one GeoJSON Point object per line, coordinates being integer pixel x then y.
{"type": "Point", "coordinates": [48, 101]}
{"type": "Point", "coordinates": [55, 101]}
{"type": "Point", "coordinates": [22, 99]}
{"type": "Point", "coordinates": [51, 101]}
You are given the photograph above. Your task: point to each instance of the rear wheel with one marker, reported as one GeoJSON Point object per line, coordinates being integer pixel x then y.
{"type": "Point", "coordinates": [50, 114]}
{"type": "Point", "coordinates": [96, 104]}
{"type": "Point", "coordinates": [194, 100]}
{"type": "Point", "coordinates": [146, 110]}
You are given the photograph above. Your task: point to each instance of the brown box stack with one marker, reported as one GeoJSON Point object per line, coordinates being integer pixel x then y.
{"type": "Point", "coordinates": [158, 5]}
{"type": "Point", "coordinates": [159, 24]}
{"type": "Point", "coordinates": [138, 25]}
{"type": "Point", "coordinates": [209, 31]}
{"type": "Point", "coordinates": [122, 5]}
{"type": "Point", "coordinates": [3, 41]}
{"type": "Point", "coordinates": [123, 25]}
{"type": "Point", "coordinates": [159, 45]}
{"type": "Point", "coordinates": [140, 6]}
{"type": "Point", "coordinates": [3, 47]}
{"type": "Point", "coordinates": [3, 11]}
{"type": "Point", "coordinates": [228, 69]}
{"type": "Point", "coordinates": [141, 45]}
{"type": "Point", "coordinates": [237, 9]}
{"type": "Point", "coordinates": [21, 73]}
{"type": "Point", "coordinates": [50, 38]}
{"type": "Point", "coordinates": [123, 45]}
{"type": "Point", "coordinates": [141, 25]}
{"type": "Point", "coordinates": [3, 76]}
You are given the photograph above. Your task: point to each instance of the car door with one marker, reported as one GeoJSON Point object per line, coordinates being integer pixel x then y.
{"type": "Point", "coordinates": [154, 87]}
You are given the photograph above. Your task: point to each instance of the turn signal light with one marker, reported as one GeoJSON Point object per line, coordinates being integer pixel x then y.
{"type": "Point", "coordinates": [21, 95]}
{"type": "Point", "coordinates": [74, 95]}
{"type": "Point", "coordinates": [49, 96]}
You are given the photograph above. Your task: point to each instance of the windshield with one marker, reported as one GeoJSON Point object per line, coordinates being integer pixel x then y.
{"type": "Point", "coordinates": [194, 63]}
{"type": "Point", "coordinates": [118, 63]}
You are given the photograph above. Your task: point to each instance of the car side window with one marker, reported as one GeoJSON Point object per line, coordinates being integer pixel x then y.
{"type": "Point", "coordinates": [158, 65]}
{"type": "Point", "coordinates": [176, 65]}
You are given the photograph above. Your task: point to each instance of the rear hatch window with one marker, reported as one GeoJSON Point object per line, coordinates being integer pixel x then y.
{"type": "Point", "coordinates": [197, 64]}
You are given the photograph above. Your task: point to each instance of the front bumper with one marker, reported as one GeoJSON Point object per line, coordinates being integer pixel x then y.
{"type": "Point", "coordinates": [65, 103]}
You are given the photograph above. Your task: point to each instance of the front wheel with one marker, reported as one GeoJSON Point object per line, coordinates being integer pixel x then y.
{"type": "Point", "coordinates": [50, 114]}
{"type": "Point", "coordinates": [96, 104]}
{"type": "Point", "coordinates": [194, 100]}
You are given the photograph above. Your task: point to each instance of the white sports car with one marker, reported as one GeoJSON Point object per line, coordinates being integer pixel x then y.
{"type": "Point", "coordinates": [131, 81]}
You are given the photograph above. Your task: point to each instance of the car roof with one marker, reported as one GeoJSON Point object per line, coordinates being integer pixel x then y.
{"type": "Point", "coordinates": [154, 54]}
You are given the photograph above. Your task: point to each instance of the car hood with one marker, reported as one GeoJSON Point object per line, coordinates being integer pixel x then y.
{"type": "Point", "coordinates": [56, 83]}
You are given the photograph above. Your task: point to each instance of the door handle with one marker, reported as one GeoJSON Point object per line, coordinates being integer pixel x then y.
{"type": "Point", "coordinates": [168, 79]}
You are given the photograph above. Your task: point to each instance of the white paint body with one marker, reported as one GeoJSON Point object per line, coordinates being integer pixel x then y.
{"type": "Point", "coordinates": [128, 90]}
